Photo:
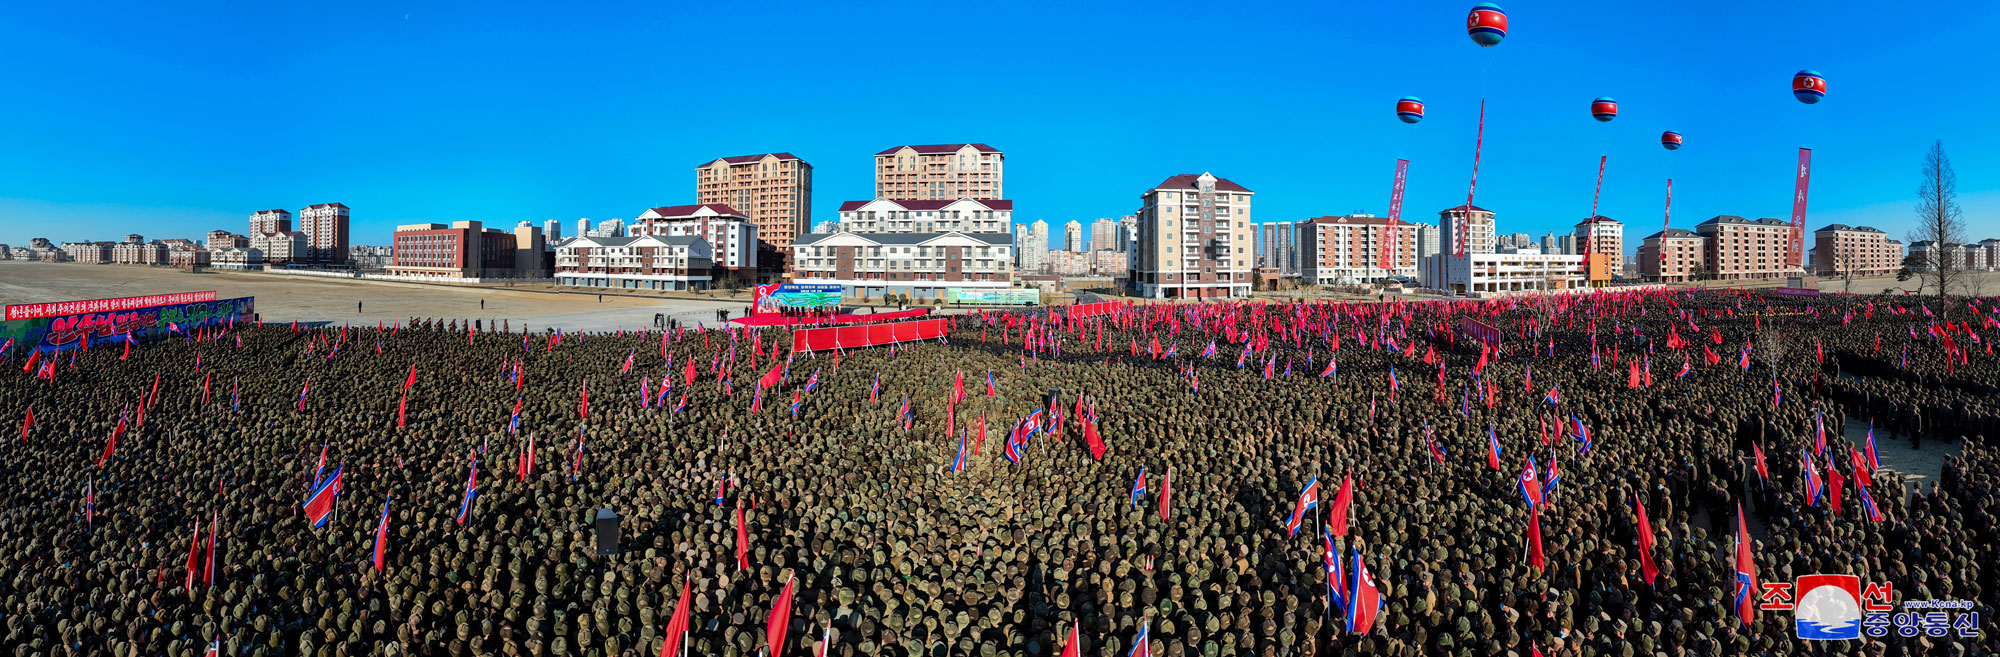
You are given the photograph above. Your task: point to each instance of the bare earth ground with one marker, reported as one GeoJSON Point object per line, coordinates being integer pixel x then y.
{"type": "Point", "coordinates": [282, 298]}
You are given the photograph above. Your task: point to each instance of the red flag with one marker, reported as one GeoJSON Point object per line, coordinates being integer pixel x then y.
{"type": "Point", "coordinates": [1632, 380]}
{"type": "Point", "coordinates": [981, 439]}
{"type": "Point", "coordinates": [1337, 516]}
{"type": "Point", "coordinates": [208, 565]}
{"type": "Point", "coordinates": [742, 541]}
{"type": "Point", "coordinates": [1166, 494]}
{"type": "Point", "coordinates": [772, 378]}
{"type": "Point", "coordinates": [411, 379]}
{"type": "Point", "coordinates": [677, 625]}
{"type": "Point", "coordinates": [1093, 440]}
{"type": "Point", "coordinates": [1762, 471]}
{"type": "Point", "coordinates": [1071, 646]}
{"type": "Point", "coordinates": [112, 445]}
{"type": "Point", "coordinates": [401, 406]}
{"type": "Point", "coordinates": [29, 422]}
{"type": "Point", "coordinates": [687, 377]}
{"type": "Point", "coordinates": [1535, 538]}
{"type": "Point", "coordinates": [1646, 565]}
{"type": "Point", "coordinates": [583, 405]}
{"type": "Point", "coordinates": [1833, 484]}
{"type": "Point", "coordinates": [780, 620]}
{"type": "Point", "coordinates": [194, 556]}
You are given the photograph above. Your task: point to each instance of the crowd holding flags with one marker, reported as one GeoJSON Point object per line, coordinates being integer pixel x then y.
{"type": "Point", "coordinates": [1308, 498]}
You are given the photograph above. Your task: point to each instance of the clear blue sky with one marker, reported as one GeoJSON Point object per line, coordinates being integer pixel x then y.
{"type": "Point", "coordinates": [171, 120]}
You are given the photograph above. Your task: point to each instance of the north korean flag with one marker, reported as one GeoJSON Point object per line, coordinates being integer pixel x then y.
{"type": "Point", "coordinates": [319, 505]}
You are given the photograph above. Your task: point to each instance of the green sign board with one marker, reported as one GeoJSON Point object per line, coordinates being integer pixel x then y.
{"type": "Point", "coordinates": [991, 297]}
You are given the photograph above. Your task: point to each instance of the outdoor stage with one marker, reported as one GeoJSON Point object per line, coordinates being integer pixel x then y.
{"type": "Point", "coordinates": [776, 319]}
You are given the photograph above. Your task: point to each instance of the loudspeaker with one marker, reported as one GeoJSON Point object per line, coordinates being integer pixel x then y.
{"type": "Point", "coordinates": [607, 531]}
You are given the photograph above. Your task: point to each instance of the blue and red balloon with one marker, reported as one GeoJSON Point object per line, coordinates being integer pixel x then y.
{"type": "Point", "coordinates": [1410, 109]}
{"type": "Point", "coordinates": [1808, 86]}
{"type": "Point", "coordinates": [1671, 140]}
{"type": "Point", "coordinates": [1487, 24]}
{"type": "Point", "coordinates": [1604, 109]}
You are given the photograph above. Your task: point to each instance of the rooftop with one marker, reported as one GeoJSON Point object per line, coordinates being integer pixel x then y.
{"type": "Point", "coordinates": [1188, 181]}
{"type": "Point", "coordinates": [934, 149]}
{"type": "Point", "coordinates": [990, 204]}
{"type": "Point", "coordinates": [746, 159]}
{"type": "Point", "coordinates": [906, 239]}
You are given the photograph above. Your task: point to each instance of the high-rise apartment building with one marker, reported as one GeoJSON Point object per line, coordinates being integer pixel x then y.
{"type": "Point", "coordinates": [731, 236]}
{"type": "Point", "coordinates": [1194, 239]}
{"type": "Point", "coordinates": [1854, 250]}
{"type": "Point", "coordinates": [773, 189]}
{"type": "Point", "coordinates": [325, 226]}
{"type": "Point", "coordinates": [222, 239]}
{"type": "Point", "coordinates": [552, 231]}
{"type": "Point", "coordinates": [1604, 235]}
{"type": "Point", "coordinates": [270, 221]}
{"type": "Point", "coordinates": [1073, 236]}
{"type": "Point", "coordinates": [1427, 241]}
{"type": "Point", "coordinates": [1035, 248]}
{"type": "Point", "coordinates": [1104, 235]}
{"type": "Point", "coordinates": [1287, 252]}
{"type": "Point", "coordinates": [610, 228]}
{"type": "Point", "coordinates": [1466, 232]}
{"type": "Point", "coordinates": [1347, 249]}
{"type": "Point", "coordinates": [583, 227]}
{"type": "Point", "coordinates": [939, 172]}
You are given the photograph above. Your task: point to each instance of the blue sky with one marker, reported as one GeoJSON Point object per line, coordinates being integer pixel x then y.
{"type": "Point", "coordinates": [171, 120]}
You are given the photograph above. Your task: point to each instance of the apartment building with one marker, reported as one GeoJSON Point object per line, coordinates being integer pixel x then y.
{"type": "Point", "coordinates": [1347, 249]}
{"type": "Point", "coordinates": [222, 239]}
{"type": "Point", "coordinates": [1035, 248]}
{"type": "Point", "coordinates": [922, 265]}
{"type": "Point", "coordinates": [1855, 251]}
{"type": "Point", "coordinates": [1686, 256]}
{"type": "Point", "coordinates": [731, 235]}
{"type": "Point", "coordinates": [94, 253]}
{"type": "Point", "coordinates": [1104, 235]}
{"type": "Point", "coordinates": [325, 227]}
{"type": "Point", "coordinates": [280, 247]}
{"type": "Point", "coordinates": [1194, 239]}
{"type": "Point", "coordinates": [646, 262]}
{"type": "Point", "coordinates": [939, 172]}
{"type": "Point", "coordinates": [965, 215]}
{"type": "Point", "coordinates": [1739, 248]}
{"type": "Point", "coordinates": [270, 221]}
{"type": "Point", "coordinates": [773, 189]}
{"type": "Point", "coordinates": [1602, 235]}
{"type": "Point", "coordinates": [1466, 229]}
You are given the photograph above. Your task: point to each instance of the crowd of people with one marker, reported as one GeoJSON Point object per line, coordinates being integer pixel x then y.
{"type": "Point", "coordinates": [847, 483]}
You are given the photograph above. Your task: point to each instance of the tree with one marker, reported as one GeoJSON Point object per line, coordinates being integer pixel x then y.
{"type": "Point", "coordinates": [1939, 221]}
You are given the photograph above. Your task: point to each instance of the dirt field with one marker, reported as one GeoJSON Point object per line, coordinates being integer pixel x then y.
{"type": "Point", "coordinates": [283, 298]}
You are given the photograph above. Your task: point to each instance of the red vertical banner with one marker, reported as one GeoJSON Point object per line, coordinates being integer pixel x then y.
{"type": "Point", "coordinates": [1590, 225]}
{"type": "Point", "coordinates": [1665, 224]}
{"type": "Point", "coordinates": [1795, 255]}
{"type": "Point", "coordinates": [1459, 237]}
{"type": "Point", "coordinates": [1390, 242]}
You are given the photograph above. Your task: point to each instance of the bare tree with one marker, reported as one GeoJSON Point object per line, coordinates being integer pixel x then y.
{"type": "Point", "coordinates": [1939, 221]}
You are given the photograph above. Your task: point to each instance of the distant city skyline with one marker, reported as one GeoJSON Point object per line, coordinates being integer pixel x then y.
{"type": "Point", "coordinates": [1316, 141]}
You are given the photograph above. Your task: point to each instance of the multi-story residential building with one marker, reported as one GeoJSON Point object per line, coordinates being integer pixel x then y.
{"type": "Point", "coordinates": [1347, 249]}
{"type": "Point", "coordinates": [958, 215]}
{"type": "Point", "coordinates": [1466, 232]}
{"type": "Point", "coordinates": [280, 248]}
{"type": "Point", "coordinates": [1069, 263]}
{"type": "Point", "coordinates": [1685, 260]}
{"type": "Point", "coordinates": [187, 255]}
{"type": "Point", "coordinates": [1604, 235]}
{"type": "Point", "coordinates": [1128, 233]}
{"type": "Point", "coordinates": [1503, 273]}
{"type": "Point", "coordinates": [1035, 248]}
{"type": "Point", "coordinates": [40, 243]}
{"type": "Point", "coordinates": [222, 239]}
{"type": "Point", "coordinates": [236, 258]}
{"type": "Point", "coordinates": [1840, 249]}
{"type": "Point", "coordinates": [583, 227]}
{"type": "Point", "coordinates": [1427, 241]}
{"type": "Point", "coordinates": [361, 256]}
{"type": "Point", "coordinates": [531, 252]}
{"type": "Point", "coordinates": [139, 253]}
{"type": "Point", "coordinates": [613, 227]}
{"type": "Point", "coordinates": [773, 189]}
{"type": "Point", "coordinates": [732, 236]}
{"type": "Point", "coordinates": [552, 231]}
{"type": "Point", "coordinates": [647, 262]}
{"type": "Point", "coordinates": [828, 226]}
{"type": "Point", "coordinates": [1073, 236]}
{"type": "Point", "coordinates": [922, 265]}
{"type": "Point", "coordinates": [1738, 248]}
{"type": "Point", "coordinates": [1104, 234]}
{"type": "Point", "coordinates": [1194, 239]}
{"type": "Point", "coordinates": [1990, 247]}
{"type": "Point", "coordinates": [1110, 263]}
{"type": "Point", "coordinates": [6, 253]}
{"type": "Point", "coordinates": [462, 250]}
{"type": "Point", "coordinates": [270, 221]}
{"type": "Point", "coordinates": [94, 253]}
{"type": "Point", "coordinates": [325, 226]}
{"type": "Point", "coordinates": [939, 172]}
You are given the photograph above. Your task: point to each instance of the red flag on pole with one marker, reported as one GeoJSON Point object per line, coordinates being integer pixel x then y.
{"type": "Point", "coordinates": [1166, 494]}
{"type": "Point", "coordinates": [194, 556]}
{"type": "Point", "coordinates": [1535, 538]}
{"type": "Point", "coordinates": [742, 541]}
{"type": "Point", "coordinates": [1646, 565]}
{"type": "Point", "coordinates": [677, 625]}
{"type": "Point", "coordinates": [29, 422]}
{"type": "Point", "coordinates": [780, 620]}
{"type": "Point", "coordinates": [1337, 516]}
